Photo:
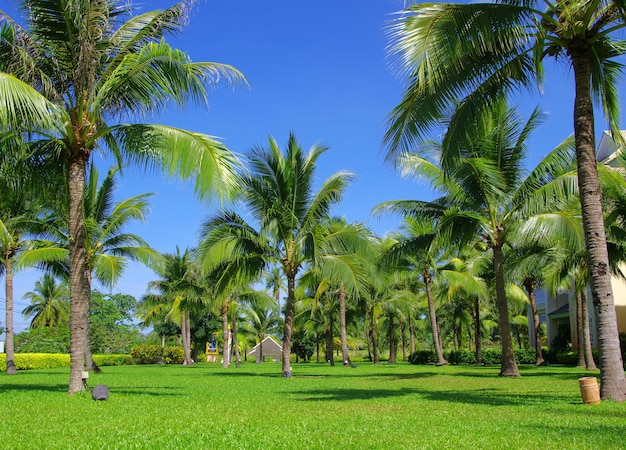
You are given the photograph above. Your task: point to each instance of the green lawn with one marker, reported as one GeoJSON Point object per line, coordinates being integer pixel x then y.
{"type": "Point", "coordinates": [389, 406]}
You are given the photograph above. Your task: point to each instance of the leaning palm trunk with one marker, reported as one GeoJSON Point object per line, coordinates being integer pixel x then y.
{"type": "Point", "coordinates": [79, 285]}
{"type": "Point", "coordinates": [509, 365]}
{"type": "Point", "coordinates": [10, 356]}
{"type": "Point", "coordinates": [289, 310]}
{"type": "Point", "coordinates": [529, 284]}
{"type": "Point", "coordinates": [612, 380]}
{"type": "Point", "coordinates": [342, 326]}
{"type": "Point", "coordinates": [590, 364]}
{"type": "Point", "coordinates": [441, 361]}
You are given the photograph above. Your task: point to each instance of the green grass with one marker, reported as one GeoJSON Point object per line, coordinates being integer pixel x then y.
{"type": "Point", "coordinates": [389, 407]}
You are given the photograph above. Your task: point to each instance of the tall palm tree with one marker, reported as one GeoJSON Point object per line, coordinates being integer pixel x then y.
{"type": "Point", "coordinates": [107, 246]}
{"type": "Point", "coordinates": [50, 304]}
{"type": "Point", "coordinates": [486, 193]}
{"type": "Point", "coordinates": [418, 249]}
{"type": "Point", "coordinates": [279, 194]}
{"type": "Point", "coordinates": [473, 53]}
{"type": "Point", "coordinates": [94, 70]}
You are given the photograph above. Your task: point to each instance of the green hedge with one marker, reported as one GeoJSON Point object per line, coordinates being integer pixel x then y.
{"type": "Point", "coordinates": [490, 357]}
{"type": "Point", "coordinates": [30, 361]}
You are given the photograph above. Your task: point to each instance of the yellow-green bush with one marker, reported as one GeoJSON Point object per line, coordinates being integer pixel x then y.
{"type": "Point", "coordinates": [26, 361]}
{"type": "Point", "coordinates": [113, 360]}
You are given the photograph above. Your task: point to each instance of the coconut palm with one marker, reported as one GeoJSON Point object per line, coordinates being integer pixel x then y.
{"type": "Point", "coordinates": [50, 306]}
{"type": "Point", "coordinates": [418, 249]}
{"type": "Point", "coordinates": [93, 70]}
{"type": "Point", "coordinates": [177, 292]}
{"type": "Point", "coordinates": [475, 52]}
{"type": "Point", "coordinates": [487, 194]}
{"type": "Point", "coordinates": [279, 194]}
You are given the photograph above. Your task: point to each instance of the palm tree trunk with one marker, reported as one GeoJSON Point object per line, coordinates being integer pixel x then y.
{"type": "Point", "coordinates": [236, 344]}
{"type": "Point", "coordinates": [612, 380]}
{"type": "Point", "coordinates": [411, 335]}
{"type": "Point", "coordinates": [225, 335]}
{"type": "Point", "coordinates": [9, 347]}
{"type": "Point", "coordinates": [441, 361]}
{"type": "Point", "coordinates": [392, 341]}
{"type": "Point", "coordinates": [375, 341]}
{"type": "Point", "coordinates": [529, 284]}
{"type": "Point", "coordinates": [590, 364]}
{"type": "Point", "coordinates": [579, 330]}
{"type": "Point", "coordinates": [509, 365]}
{"type": "Point", "coordinates": [289, 310]}
{"type": "Point", "coordinates": [184, 332]}
{"type": "Point", "coordinates": [79, 286]}
{"type": "Point", "coordinates": [342, 325]}
{"type": "Point", "coordinates": [330, 359]}
{"type": "Point", "coordinates": [478, 332]}
{"type": "Point", "coordinates": [403, 340]}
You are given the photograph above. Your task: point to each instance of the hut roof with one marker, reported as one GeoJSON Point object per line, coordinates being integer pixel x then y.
{"type": "Point", "coordinates": [270, 348]}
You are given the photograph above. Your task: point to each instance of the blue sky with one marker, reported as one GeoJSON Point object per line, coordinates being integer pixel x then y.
{"type": "Point", "coordinates": [318, 69]}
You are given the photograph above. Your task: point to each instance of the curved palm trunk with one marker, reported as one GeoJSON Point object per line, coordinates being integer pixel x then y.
{"type": "Point", "coordinates": [225, 335]}
{"type": "Point", "coordinates": [509, 365]}
{"type": "Point", "coordinates": [432, 313]}
{"type": "Point", "coordinates": [590, 364]}
{"type": "Point", "coordinates": [612, 380]}
{"type": "Point", "coordinates": [342, 326]}
{"type": "Point", "coordinates": [579, 330]}
{"type": "Point", "coordinates": [9, 348]}
{"type": "Point", "coordinates": [532, 296]}
{"type": "Point", "coordinates": [79, 286]}
{"type": "Point", "coordinates": [289, 310]}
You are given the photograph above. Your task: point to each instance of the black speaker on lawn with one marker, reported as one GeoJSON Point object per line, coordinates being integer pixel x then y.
{"type": "Point", "coordinates": [100, 392]}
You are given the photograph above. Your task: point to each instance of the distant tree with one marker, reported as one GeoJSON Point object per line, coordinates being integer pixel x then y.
{"type": "Point", "coordinates": [50, 303]}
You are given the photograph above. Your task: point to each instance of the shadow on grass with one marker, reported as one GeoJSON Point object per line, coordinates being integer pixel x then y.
{"type": "Point", "coordinates": [490, 397]}
{"type": "Point", "coordinates": [28, 387]}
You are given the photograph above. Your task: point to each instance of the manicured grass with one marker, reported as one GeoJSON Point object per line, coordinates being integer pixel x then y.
{"type": "Point", "coordinates": [252, 407]}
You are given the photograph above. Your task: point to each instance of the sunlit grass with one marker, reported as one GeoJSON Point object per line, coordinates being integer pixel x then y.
{"type": "Point", "coordinates": [389, 406]}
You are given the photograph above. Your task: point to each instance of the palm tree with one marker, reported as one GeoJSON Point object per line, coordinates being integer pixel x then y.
{"type": "Point", "coordinates": [91, 69]}
{"type": "Point", "coordinates": [279, 195]}
{"type": "Point", "coordinates": [21, 200]}
{"type": "Point", "coordinates": [177, 291]}
{"type": "Point", "coordinates": [49, 303]}
{"type": "Point", "coordinates": [486, 193]}
{"type": "Point", "coordinates": [419, 250]}
{"type": "Point", "coordinates": [474, 53]}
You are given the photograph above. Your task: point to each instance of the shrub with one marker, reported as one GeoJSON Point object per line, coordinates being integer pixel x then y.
{"type": "Point", "coordinates": [423, 357]}
{"type": "Point", "coordinates": [461, 357]}
{"type": "Point", "coordinates": [525, 356]}
{"type": "Point", "coordinates": [147, 354]}
{"type": "Point", "coordinates": [173, 355]}
{"type": "Point", "coordinates": [29, 361]}
{"type": "Point", "coordinates": [43, 340]}
{"type": "Point", "coordinates": [113, 360]}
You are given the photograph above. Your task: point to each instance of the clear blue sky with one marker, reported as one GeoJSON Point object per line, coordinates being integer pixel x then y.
{"type": "Point", "coordinates": [318, 69]}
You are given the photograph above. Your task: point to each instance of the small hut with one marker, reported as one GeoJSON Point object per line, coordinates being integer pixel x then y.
{"type": "Point", "coordinates": [268, 347]}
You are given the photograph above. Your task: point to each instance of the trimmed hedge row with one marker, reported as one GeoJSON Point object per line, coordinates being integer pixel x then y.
{"type": "Point", "coordinates": [30, 361]}
{"type": "Point", "coordinates": [490, 357]}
